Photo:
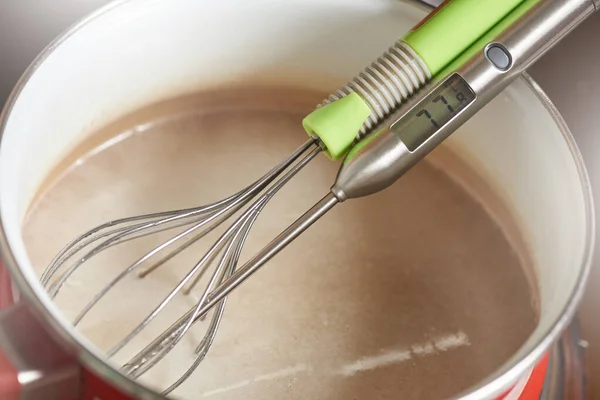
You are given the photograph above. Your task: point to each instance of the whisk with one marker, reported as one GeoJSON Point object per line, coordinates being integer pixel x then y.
{"type": "Point", "coordinates": [383, 121]}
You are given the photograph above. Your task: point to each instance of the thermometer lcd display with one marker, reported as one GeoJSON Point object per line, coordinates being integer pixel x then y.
{"type": "Point", "coordinates": [434, 111]}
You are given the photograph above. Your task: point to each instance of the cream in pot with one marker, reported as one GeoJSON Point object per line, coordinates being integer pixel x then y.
{"type": "Point", "coordinates": [384, 296]}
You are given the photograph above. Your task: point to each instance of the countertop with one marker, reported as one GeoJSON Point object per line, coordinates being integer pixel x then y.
{"type": "Point", "coordinates": [569, 73]}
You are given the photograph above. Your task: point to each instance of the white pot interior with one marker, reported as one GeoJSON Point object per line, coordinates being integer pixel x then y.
{"type": "Point", "coordinates": [144, 51]}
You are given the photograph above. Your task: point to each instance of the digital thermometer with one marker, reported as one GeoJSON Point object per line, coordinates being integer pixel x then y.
{"type": "Point", "coordinates": [457, 93]}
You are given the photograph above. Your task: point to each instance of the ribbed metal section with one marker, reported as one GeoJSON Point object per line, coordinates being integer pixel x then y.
{"type": "Point", "coordinates": [386, 83]}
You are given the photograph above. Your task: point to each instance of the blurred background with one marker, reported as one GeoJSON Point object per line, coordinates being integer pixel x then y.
{"type": "Point", "coordinates": [570, 75]}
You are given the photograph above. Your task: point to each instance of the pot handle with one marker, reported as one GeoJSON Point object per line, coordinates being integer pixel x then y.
{"type": "Point", "coordinates": [10, 388]}
{"type": "Point", "coordinates": [9, 376]}
{"type": "Point", "coordinates": [32, 365]}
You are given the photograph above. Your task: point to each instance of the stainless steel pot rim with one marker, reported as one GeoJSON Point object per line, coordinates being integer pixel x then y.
{"type": "Point", "coordinates": [30, 291]}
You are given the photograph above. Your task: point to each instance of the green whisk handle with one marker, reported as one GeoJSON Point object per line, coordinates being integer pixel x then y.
{"type": "Point", "coordinates": [356, 109]}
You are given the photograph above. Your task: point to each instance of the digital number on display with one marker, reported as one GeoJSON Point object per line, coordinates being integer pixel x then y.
{"type": "Point", "coordinates": [435, 111]}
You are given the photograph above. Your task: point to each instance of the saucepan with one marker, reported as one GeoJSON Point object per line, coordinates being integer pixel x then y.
{"type": "Point", "coordinates": [136, 52]}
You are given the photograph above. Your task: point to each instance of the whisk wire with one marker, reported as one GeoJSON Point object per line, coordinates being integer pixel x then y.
{"type": "Point", "coordinates": [156, 351]}
{"type": "Point", "coordinates": [151, 221]}
{"type": "Point", "coordinates": [198, 222]}
{"type": "Point", "coordinates": [155, 224]}
{"type": "Point", "coordinates": [219, 272]}
{"type": "Point", "coordinates": [211, 253]}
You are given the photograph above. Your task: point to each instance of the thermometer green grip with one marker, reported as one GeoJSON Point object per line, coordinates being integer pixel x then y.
{"type": "Point", "coordinates": [453, 27]}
